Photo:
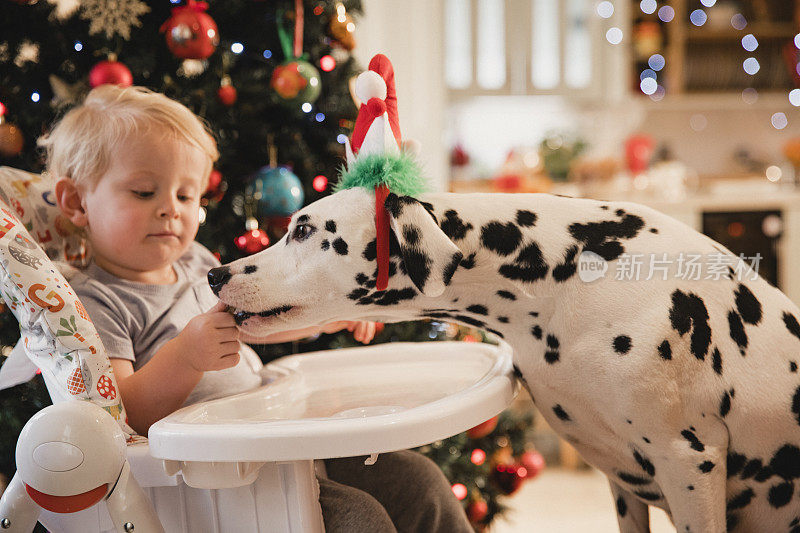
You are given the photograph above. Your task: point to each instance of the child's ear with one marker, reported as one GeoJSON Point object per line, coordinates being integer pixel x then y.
{"type": "Point", "coordinates": [69, 200]}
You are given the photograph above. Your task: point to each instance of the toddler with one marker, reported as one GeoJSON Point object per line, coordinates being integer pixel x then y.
{"type": "Point", "coordinates": [130, 167]}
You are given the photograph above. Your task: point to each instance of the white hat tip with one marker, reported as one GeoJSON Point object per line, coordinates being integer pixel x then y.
{"type": "Point", "coordinates": [370, 84]}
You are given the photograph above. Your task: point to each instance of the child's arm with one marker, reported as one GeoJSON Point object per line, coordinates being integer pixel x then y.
{"type": "Point", "coordinates": [209, 341]}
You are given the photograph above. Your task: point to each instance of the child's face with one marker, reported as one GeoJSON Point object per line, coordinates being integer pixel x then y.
{"type": "Point", "coordinates": [143, 213]}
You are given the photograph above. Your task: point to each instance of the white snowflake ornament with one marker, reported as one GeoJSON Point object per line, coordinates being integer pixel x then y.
{"type": "Point", "coordinates": [27, 52]}
{"type": "Point", "coordinates": [64, 8]}
{"type": "Point", "coordinates": [113, 17]}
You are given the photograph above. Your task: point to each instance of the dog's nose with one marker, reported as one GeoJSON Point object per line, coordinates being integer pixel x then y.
{"type": "Point", "coordinates": [218, 277]}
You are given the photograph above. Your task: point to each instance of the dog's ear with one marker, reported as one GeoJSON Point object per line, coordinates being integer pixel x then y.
{"type": "Point", "coordinates": [429, 256]}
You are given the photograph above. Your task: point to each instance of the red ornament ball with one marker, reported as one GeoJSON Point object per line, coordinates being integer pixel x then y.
{"type": "Point", "coordinates": [327, 63]}
{"type": "Point", "coordinates": [320, 183]}
{"type": "Point", "coordinates": [253, 241]}
{"type": "Point", "coordinates": [11, 140]}
{"type": "Point", "coordinates": [533, 462]}
{"type": "Point", "coordinates": [112, 72]}
{"type": "Point", "coordinates": [226, 95]}
{"type": "Point", "coordinates": [216, 186]}
{"type": "Point", "coordinates": [482, 429]}
{"type": "Point", "coordinates": [508, 478]}
{"type": "Point", "coordinates": [477, 510]}
{"type": "Point", "coordinates": [296, 82]}
{"type": "Point", "coordinates": [191, 33]}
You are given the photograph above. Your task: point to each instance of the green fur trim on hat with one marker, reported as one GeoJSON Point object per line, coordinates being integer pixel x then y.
{"type": "Point", "coordinates": [400, 173]}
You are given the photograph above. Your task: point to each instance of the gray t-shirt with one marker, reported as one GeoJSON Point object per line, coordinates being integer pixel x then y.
{"type": "Point", "coordinates": [135, 319]}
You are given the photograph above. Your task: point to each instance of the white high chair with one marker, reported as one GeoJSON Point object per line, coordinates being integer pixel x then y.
{"type": "Point", "coordinates": [241, 463]}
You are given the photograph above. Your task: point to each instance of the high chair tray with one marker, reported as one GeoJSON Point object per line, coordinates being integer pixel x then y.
{"type": "Point", "coordinates": [347, 402]}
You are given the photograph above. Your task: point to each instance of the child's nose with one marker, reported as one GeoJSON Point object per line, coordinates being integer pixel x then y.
{"type": "Point", "coordinates": [168, 209]}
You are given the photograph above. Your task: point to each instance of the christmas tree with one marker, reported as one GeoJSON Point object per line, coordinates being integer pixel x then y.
{"type": "Point", "coordinates": [273, 80]}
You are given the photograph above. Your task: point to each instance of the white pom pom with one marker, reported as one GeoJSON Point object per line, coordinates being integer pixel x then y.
{"type": "Point", "coordinates": [369, 84]}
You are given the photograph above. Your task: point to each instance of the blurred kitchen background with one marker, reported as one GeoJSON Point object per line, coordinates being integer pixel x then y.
{"type": "Point", "coordinates": [690, 106]}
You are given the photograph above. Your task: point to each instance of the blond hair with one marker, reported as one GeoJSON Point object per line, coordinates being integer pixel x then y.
{"type": "Point", "coordinates": [82, 143]}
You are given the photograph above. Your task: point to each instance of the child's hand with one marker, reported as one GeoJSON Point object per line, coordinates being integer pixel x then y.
{"type": "Point", "coordinates": [363, 332]}
{"type": "Point", "coordinates": [210, 341]}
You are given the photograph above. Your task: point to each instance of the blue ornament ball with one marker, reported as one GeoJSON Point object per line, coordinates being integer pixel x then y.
{"type": "Point", "coordinates": [280, 191]}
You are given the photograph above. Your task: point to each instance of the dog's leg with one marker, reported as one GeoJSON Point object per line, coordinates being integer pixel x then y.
{"type": "Point", "coordinates": [633, 515]}
{"type": "Point", "coordinates": [694, 486]}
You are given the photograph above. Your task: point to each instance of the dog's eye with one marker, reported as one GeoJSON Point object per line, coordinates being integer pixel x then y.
{"type": "Point", "coordinates": [302, 232]}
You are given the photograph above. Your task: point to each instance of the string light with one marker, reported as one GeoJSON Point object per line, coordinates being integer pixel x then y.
{"type": "Point", "coordinates": [237, 48]}
{"type": "Point", "coordinates": [708, 3]}
{"type": "Point", "coordinates": [478, 456]}
{"type": "Point", "coordinates": [738, 21]}
{"type": "Point", "coordinates": [794, 97]}
{"type": "Point", "coordinates": [35, 97]}
{"type": "Point", "coordinates": [319, 117]}
{"type": "Point", "coordinates": [698, 17]}
{"type": "Point", "coordinates": [614, 35]}
{"type": "Point", "coordinates": [774, 173]}
{"type": "Point", "coordinates": [327, 63]}
{"type": "Point", "coordinates": [749, 95]}
{"type": "Point", "coordinates": [647, 73]}
{"type": "Point", "coordinates": [460, 490]}
{"type": "Point", "coordinates": [319, 10]}
{"type": "Point", "coordinates": [779, 121]}
{"type": "Point", "coordinates": [751, 65]}
{"type": "Point", "coordinates": [267, 54]}
{"type": "Point", "coordinates": [648, 6]}
{"type": "Point", "coordinates": [2, 109]}
{"type": "Point", "coordinates": [656, 62]}
{"type": "Point", "coordinates": [319, 183]}
{"type": "Point", "coordinates": [648, 86]}
{"type": "Point", "coordinates": [78, 46]}
{"type": "Point", "coordinates": [605, 9]}
{"type": "Point", "coordinates": [749, 42]}
{"type": "Point", "coordinates": [666, 13]}
{"type": "Point", "coordinates": [306, 107]}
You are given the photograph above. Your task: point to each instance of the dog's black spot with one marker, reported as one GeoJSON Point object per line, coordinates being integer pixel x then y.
{"type": "Point", "coordinates": [645, 463]}
{"type": "Point", "coordinates": [653, 230]}
{"type": "Point", "coordinates": [737, 331]}
{"type": "Point", "coordinates": [471, 321]}
{"type": "Point", "coordinates": [330, 225]}
{"type": "Point", "coordinates": [468, 262]}
{"type": "Point", "coordinates": [561, 413]}
{"type": "Point", "coordinates": [752, 468]}
{"type": "Point", "coordinates": [622, 507]}
{"type": "Point", "coordinates": [370, 252]}
{"type": "Point", "coordinates": [502, 319]}
{"type": "Point", "coordinates": [706, 467]}
{"type": "Point", "coordinates": [302, 218]}
{"type": "Point", "coordinates": [529, 265]}
{"type": "Point", "coordinates": [478, 309]}
{"type": "Point", "coordinates": [664, 350]}
{"type": "Point", "coordinates": [450, 268]}
{"type": "Point", "coordinates": [694, 442]}
{"type": "Point", "coordinates": [741, 500]}
{"type": "Point", "coordinates": [622, 344]}
{"type": "Point", "coordinates": [731, 521]}
{"type": "Point", "coordinates": [501, 238]}
{"type": "Point", "coordinates": [395, 296]}
{"type": "Point", "coordinates": [748, 305]}
{"type": "Point", "coordinates": [526, 218]}
{"type": "Point", "coordinates": [552, 341]}
{"type": "Point", "coordinates": [786, 462]}
{"type": "Point", "coordinates": [249, 269]}
{"type": "Point", "coordinates": [358, 293]}
{"type": "Point", "coordinates": [690, 487]}
{"type": "Point", "coordinates": [796, 404]}
{"type": "Point", "coordinates": [429, 208]}
{"type": "Point", "coordinates": [780, 494]}
{"type": "Point", "coordinates": [689, 312]}
{"type": "Point", "coordinates": [410, 234]}
{"type": "Point", "coordinates": [507, 295]}
{"type": "Point", "coordinates": [646, 440]}
{"type": "Point", "coordinates": [394, 203]}
{"type": "Point", "coordinates": [735, 463]}
{"type": "Point", "coordinates": [604, 207]}
{"type": "Point", "coordinates": [601, 237]}
{"type": "Point", "coordinates": [325, 244]}
{"type": "Point", "coordinates": [792, 367]}
{"type": "Point", "coordinates": [417, 265]}
{"type": "Point", "coordinates": [632, 479]}
{"type": "Point", "coordinates": [567, 269]}
{"type": "Point", "coordinates": [764, 474]}
{"type": "Point", "coordinates": [340, 246]}
{"type": "Point", "coordinates": [647, 495]}
{"type": "Point", "coordinates": [453, 226]}
{"type": "Point", "coordinates": [534, 314]}
{"type": "Point", "coordinates": [361, 278]}
{"type": "Point", "coordinates": [716, 360]}
{"type": "Point", "coordinates": [518, 374]}
{"type": "Point", "coordinates": [620, 212]}
{"type": "Point", "coordinates": [536, 331]}
{"type": "Point", "coordinates": [725, 404]}
{"type": "Point", "coordinates": [791, 324]}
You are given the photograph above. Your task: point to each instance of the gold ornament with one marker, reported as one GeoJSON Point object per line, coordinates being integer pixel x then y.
{"type": "Point", "coordinates": [342, 28]}
{"type": "Point", "coordinates": [11, 140]}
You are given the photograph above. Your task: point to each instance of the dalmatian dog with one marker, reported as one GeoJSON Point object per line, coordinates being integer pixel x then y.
{"type": "Point", "coordinates": [683, 390]}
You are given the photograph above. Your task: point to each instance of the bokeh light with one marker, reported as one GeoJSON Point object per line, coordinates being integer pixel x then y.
{"type": "Point", "coordinates": [797, 40]}
{"type": "Point", "coordinates": [327, 63]}
{"type": "Point", "coordinates": [698, 122]}
{"type": "Point", "coordinates": [267, 54]}
{"type": "Point", "coordinates": [656, 62]}
{"type": "Point", "coordinates": [319, 183]}
{"type": "Point", "coordinates": [647, 73]}
{"type": "Point", "coordinates": [708, 3]}
{"type": "Point", "coordinates": [666, 13]}
{"type": "Point", "coordinates": [35, 97]}
{"type": "Point", "coordinates": [460, 490]}
{"type": "Point", "coordinates": [319, 117]}
{"type": "Point", "coordinates": [738, 21]}
{"type": "Point", "coordinates": [779, 121]}
{"type": "Point", "coordinates": [648, 86]}
{"type": "Point", "coordinates": [306, 107]}
{"type": "Point", "coordinates": [750, 95]}
{"type": "Point", "coordinates": [78, 46]}
{"type": "Point", "coordinates": [478, 456]}
{"type": "Point", "coordinates": [659, 94]}
{"type": "Point", "coordinates": [614, 35]}
{"type": "Point", "coordinates": [774, 173]}
{"type": "Point", "coordinates": [749, 42]}
{"type": "Point", "coordinates": [648, 6]}
{"type": "Point", "coordinates": [698, 17]}
{"type": "Point", "coordinates": [794, 97]}
{"type": "Point", "coordinates": [237, 48]}
{"type": "Point", "coordinates": [605, 9]}
{"type": "Point", "coordinates": [341, 138]}
{"type": "Point", "coordinates": [751, 65]}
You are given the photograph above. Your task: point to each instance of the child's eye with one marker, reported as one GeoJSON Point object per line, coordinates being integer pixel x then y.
{"type": "Point", "coordinates": [143, 194]}
{"type": "Point", "coordinates": [185, 198]}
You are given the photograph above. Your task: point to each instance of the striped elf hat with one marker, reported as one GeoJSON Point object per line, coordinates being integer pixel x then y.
{"type": "Point", "coordinates": [374, 156]}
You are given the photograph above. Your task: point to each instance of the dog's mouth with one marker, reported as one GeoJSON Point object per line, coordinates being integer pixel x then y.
{"type": "Point", "coordinates": [242, 316]}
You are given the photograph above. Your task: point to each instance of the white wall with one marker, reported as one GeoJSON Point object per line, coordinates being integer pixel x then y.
{"type": "Point", "coordinates": [408, 32]}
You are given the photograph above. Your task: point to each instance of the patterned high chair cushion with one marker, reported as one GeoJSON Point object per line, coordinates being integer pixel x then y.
{"type": "Point", "coordinates": [57, 333]}
{"type": "Point", "coordinates": [31, 199]}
